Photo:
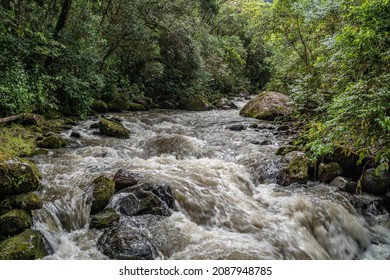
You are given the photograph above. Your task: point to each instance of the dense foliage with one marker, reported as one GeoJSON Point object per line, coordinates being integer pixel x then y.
{"type": "Point", "coordinates": [331, 56]}
{"type": "Point", "coordinates": [63, 54]}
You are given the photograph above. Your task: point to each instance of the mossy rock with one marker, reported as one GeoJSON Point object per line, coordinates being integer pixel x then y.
{"type": "Point", "coordinates": [52, 142]}
{"type": "Point", "coordinates": [99, 106]}
{"type": "Point", "coordinates": [17, 140]}
{"type": "Point", "coordinates": [29, 245]}
{"type": "Point", "coordinates": [267, 106]}
{"type": "Point", "coordinates": [295, 169]}
{"type": "Point", "coordinates": [17, 176]}
{"type": "Point", "coordinates": [196, 103]}
{"type": "Point", "coordinates": [102, 190]}
{"type": "Point", "coordinates": [328, 171]}
{"type": "Point", "coordinates": [104, 219]}
{"type": "Point", "coordinates": [147, 102]}
{"type": "Point", "coordinates": [136, 107]}
{"type": "Point", "coordinates": [378, 184]}
{"type": "Point", "coordinates": [26, 201]}
{"type": "Point", "coordinates": [14, 222]}
{"type": "Point", "coordinates": [113, 129]}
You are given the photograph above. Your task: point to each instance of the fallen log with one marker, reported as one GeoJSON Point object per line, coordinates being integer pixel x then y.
{"type": "Point", "coordinates": [24, 119]}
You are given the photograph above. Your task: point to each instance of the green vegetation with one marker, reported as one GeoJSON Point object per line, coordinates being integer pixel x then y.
{"type": "Point", "coordinates": [330, 57]}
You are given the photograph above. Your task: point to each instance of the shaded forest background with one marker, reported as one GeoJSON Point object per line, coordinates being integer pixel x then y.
{"type": "Point", "coordinates": [331, 57]}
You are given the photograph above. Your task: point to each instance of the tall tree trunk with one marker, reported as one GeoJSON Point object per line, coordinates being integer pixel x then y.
{"type": "Point", "coordinates": [65, 11]}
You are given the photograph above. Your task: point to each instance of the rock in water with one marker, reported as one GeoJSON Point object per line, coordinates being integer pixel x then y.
{"type": "Point", "coordinates": [344, 184]}
{"type": "Point", "coordinates": [102, 190]}
{"type": "Point", "coordinates": [155, 199]}
{"type": "Point", "coordinates": [113, 129]}
{"type": "Point", "coordinates": [295, 169]}
{"type": "Point", "coordinates": [29, 245]}
{"type": "Point", "coordinates": [14, 222]}
{"type": "Point", "coordinates": [104, 219]}
{"type": "Point", "coordinates": [124, 178]}
{"type": "Point", "coordinates": [126, 243]}
{"type": "Point", "coordinates": [267, 106]}
{"type": "Point", "coordinates": [376, 184]}
{"type": "Point", "coordinates": [328, 171]}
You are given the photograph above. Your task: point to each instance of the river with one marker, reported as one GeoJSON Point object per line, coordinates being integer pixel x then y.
{"type": "Point", "coordinates": [228, 204]}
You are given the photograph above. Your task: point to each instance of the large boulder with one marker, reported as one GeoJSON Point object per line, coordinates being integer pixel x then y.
{"type": "Point", "coordinates": [14, 222]}
{"type": "Point", "coordinates": [29, 245]}
{"type": "Point", "coordinates": [17, 176]}
{"type": "Point", "coordinates": [295, 169]}
{"type": "Point", "coordinates": [196, 103]}
{"type": "Point", "coordinates": [267, 106]}
{"type": "Point", "coordinates": [102, 190]}
{"type": "Point", "coordinates": [124, 178]}
{"type": "Point", "coordinates": [328, 171]}
{"type": "Point", "coordinates": [113, 129]}
{"type": "Point", "coordinates": [376, 184]}
{"type": "Point", "coordinates": [155, 199]}
{"type": "Point", "coordinates": [104, 219]}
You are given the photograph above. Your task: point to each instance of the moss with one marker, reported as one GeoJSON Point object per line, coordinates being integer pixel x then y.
{"type": "Point", "coordinates": [28, 245]}
{"type": "Point", "coordinates": [17, 140]}
{"type": "Point", "coordinates": [17, 177]}
{"type": "Point", "coordinates": [104, 218]}
{"type": "Point", "coordinates": [99, 106]}
{"type": "Point", "coordinates": [52, 142]}
{"type": "Point", "coordinates": [136, 107]}
{"type": "Point", "coordinates": [14, 222]}
{"type": "Point", "coordinates": [102, 190]}
{"type": "Point", "coordinates": [26, 201]}
{"type": "Point", "coordinates": [113, 129]}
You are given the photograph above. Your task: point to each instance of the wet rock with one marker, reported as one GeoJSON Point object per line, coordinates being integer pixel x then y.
{"type": "Point", "coordinates": [102, 190]}
{"type": "Point", "coordinates": [99, 106]}
{"type": "Point", "coordinates": [155, 199]}
{"type": "Point", "coordinates": [375, 184]}
{"type": "Point", "coordinates": [51, 142]}
{"type": "Point", "coordinates": [224, 104]}
{"type": "Point", "coordinates": [14, 222]}
{"type": "Point", "coordinates": [146, 102]}
{"type": "Point", "coordinates": [236, 127]}
{"type": "Point", "coordinates": [267, 106]}
{"type": "Point", "coordinates": [386, 202]}
{"type": "Point", "coordinates": [29, 245]}
{"type": "Point", "coordinates": [17, 176]}
{"type": "Point", "coordinates": [284, 150]}
{"type": "Point", "coordinates": [295, 169]}
{"type": "Point", "coordinates": [348, 161]}
{"type": "Point", "coordinates": [104, 219]}
{"type": "Point", "coordinates": [113, 129]}
{"type": "Point", "coordinates": [94, 125]}
{"type": "Point", "coordinates": [126, 243]}
{"type": "Point", "coordinates": [75, 134]}
{"type": "Point", "coordinates": [136, 107]}
{"type": "Point", "coordinates": [283, 128]}
{"type": "Point", "coordinates": [165, 104]}
{"type": "Point", "coordinates": [124, 178]}
{"type": "Point", "coordinates": [344, 184]}
{"type": "Point", "coordinates": [196, 103]}
{"type": "Point", "coordinates": [26, 201]}
{"type": "Point", "coordinates": [328, 171]}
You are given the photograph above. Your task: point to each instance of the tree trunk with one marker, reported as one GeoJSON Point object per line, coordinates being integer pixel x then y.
{"type": "Point", "coordinates": [63, 18]}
